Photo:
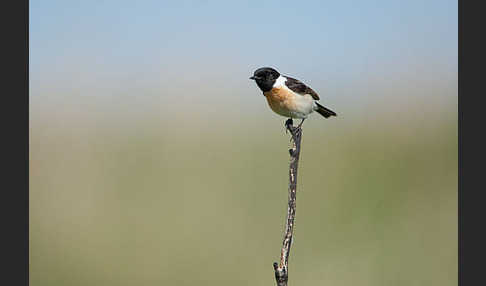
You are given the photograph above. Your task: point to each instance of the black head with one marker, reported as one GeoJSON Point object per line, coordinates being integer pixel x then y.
{"type": "Point", "coordinates": [265, 78]}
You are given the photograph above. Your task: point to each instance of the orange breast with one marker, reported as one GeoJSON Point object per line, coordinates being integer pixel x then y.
{"type": "Point", "coordinates": [281, 100]}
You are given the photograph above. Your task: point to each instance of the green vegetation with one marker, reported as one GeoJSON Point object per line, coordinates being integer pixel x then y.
{"type": "Point", "coordinates": [166, 198]}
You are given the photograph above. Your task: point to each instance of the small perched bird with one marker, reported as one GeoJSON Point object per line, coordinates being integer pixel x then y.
{"type": "Point", "coordinates": [288, 96]}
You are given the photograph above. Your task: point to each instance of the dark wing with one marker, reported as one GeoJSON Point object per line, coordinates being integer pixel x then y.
{"type": "Point", "coordinates": [299, 87]}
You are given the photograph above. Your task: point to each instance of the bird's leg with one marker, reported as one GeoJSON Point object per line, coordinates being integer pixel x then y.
{"type": "Point", "coordinates": [300, 124]}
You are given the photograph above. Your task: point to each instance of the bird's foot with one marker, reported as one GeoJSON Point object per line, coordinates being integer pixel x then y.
{"type": "Point", "coordinates": [289, 122]}
{"type": "Point", "coordinates": [288, 125]}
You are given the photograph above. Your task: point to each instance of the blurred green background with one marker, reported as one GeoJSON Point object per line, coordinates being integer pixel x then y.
{"type": "Point", "coordinates": [154, 160]}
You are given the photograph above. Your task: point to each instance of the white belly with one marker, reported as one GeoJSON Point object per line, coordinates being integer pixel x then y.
{"type": "Point", "coordinates": [303, 106]}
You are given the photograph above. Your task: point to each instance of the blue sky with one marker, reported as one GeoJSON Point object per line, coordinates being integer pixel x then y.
{"type": "Point", "coordinates": [102, 45]}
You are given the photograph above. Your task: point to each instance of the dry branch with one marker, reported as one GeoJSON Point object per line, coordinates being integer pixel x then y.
{"type": "Point", "coordinates": [281, 269]}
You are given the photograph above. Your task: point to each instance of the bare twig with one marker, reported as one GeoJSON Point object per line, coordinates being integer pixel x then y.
{"type": "Point", "coordinates": [282, 270]}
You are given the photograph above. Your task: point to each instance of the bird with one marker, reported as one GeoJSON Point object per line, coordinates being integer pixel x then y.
{"type": "Point", "coordinates": [287, 96]}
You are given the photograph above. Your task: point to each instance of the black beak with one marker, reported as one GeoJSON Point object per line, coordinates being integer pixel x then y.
{"type": "Point", "coordinates": [253, 77]}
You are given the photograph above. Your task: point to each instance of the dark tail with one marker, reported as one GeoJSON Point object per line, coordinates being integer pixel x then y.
{"type": "Point", "coordinates": [324, 111]}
